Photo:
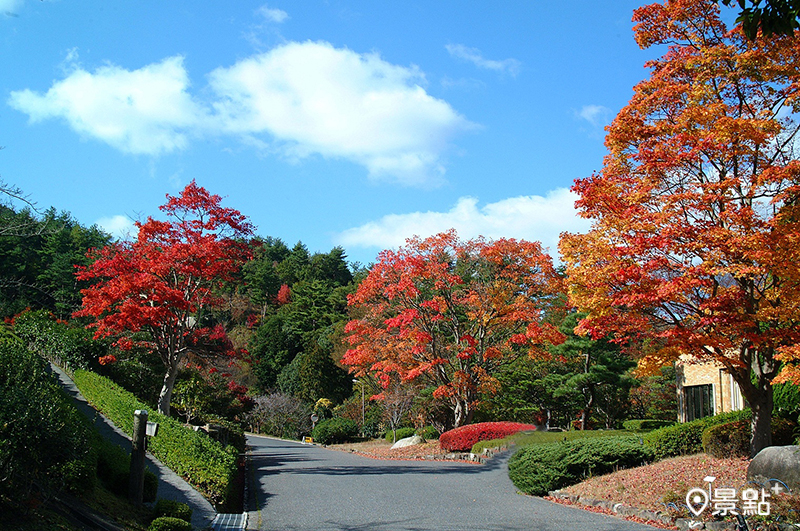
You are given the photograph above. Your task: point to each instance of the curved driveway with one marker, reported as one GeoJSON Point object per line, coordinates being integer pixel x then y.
{"type": "Point", "coordinates": [303, 487]}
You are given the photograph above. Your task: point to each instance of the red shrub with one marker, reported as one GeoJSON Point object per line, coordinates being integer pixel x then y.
{"type": "Point", "coordinates": [462, 439]}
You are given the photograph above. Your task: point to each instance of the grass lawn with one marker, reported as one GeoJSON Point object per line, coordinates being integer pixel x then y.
{"type": "Point", "coordinates": [526, 438]}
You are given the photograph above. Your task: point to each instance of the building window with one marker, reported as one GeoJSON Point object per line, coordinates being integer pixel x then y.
{"type": "Point", "coordinates": [736, 396]}
{"type": "Point", "coordinates": [699, 400]}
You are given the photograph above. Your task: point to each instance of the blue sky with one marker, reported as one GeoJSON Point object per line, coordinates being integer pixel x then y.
{"type": "Point", "coordinates": [336, 123]}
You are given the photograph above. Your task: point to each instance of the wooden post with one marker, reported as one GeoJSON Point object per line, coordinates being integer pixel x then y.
{"type": "Point", "coordinates": [136, 482]}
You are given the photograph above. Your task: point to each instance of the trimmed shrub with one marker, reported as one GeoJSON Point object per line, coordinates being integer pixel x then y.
{"type": "Point", "coordinates": [174, 509]}
{"type": "Point", "coordinates": [57, 341]}
{"type": "Point", "coordinates": [428, 433]}
{"type": "Point", "coordinates": [335, 430]}
{"type": "Point", "coordinates": [541, 468]}
{"type": "Point", "coordinates": [646, 424]}
{"type": "Point", "coordinates": [150, 489]}
{"type": "Point", "coordinates": [462, 439]}
{"type": "Point", "coordinates": [687, 438]}
{"type": "Point", "coordinates": [402, 433]}
{"type": "Point", "coordinates": [733, 438]}
{"type": "Point", "coordinates": [113, 470]}
{"type": "Point", "coordinates": [200, 460]}
{"type": "Point", "coordinates": [168, 523]}
{"type": "Point", "coordinates": [44, 440]}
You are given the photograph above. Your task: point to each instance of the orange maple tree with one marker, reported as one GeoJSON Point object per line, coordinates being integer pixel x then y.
{"type": "Point", "coordinates": [161, 282]}
{"type": "Point", "coordinates": [449, 313]}
{"type": "Point", "coordinates": [695, 225]}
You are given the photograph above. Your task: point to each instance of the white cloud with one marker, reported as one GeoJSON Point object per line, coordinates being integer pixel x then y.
{"type": "Point", "coordinates": [474, 56]}
{"type": "Point", "coordinates": [533, 218]}
{"type": "Point", "coordinates": [9, 7]}
{"type": "Point", "coordinates": [298, 99]}
{"type": "Point", "coordinates": [144, 111]}
{"type": "Point", "coordinates": [120, 227]}
{"type": "Point", "coordinates": [317, 99]}
{"type": "Point", "coordinates": [272, 14]}
{"type": "Point", "coordinates": [597, 115]}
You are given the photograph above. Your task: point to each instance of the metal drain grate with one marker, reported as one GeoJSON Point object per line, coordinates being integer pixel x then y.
{"type": "Point", "coordinates": [230, 522]}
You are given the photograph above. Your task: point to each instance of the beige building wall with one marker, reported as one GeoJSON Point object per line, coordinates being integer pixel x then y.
{"type": "Point", "coordinates": [725, 393]}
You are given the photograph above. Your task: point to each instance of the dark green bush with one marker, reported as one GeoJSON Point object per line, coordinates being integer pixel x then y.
{"type": "Point", "coordinates": [174, 509]}
{"type": "Point", "coordinates": [44, 440]}
{"type": "Point", "coordinates": [57, 340]}
{"type": "Point", "coordinates": [646, 424]}
{"type": "Point", "coordinates": [541, 468]}
{"type": "Point", "coordinates": [787, 400]}
{"type": "Point", "coordinates": [150, 489]}
{"type": "Point", "coordinates": [113, 470]}
{"type": "Point", "coordinates": [78, 475]}
{"type": "Point", "coordinates": [402, 433]}
{"type": "Point", "coordinates": [113, 464]}
{"type": "Point", "coordinates": [335, 430]}
{"type": "Point", "coordinates": [733, 438]}
{"type": "Point", "coordinates": [687, 438]}
{"type": "Point", "coordinates": [203, 462]}
{"type": "Point", "coordinates": [168, 523]}
{"type": "Point", "coordinates": [429, 433]}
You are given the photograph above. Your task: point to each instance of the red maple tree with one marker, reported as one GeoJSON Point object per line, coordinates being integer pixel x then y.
{"type": "Point", "coordinates": [161, 282]}
{"type": "Point", "coordinates": [693, 246]}
{"type": "Point", "coordinates": [450, 313]}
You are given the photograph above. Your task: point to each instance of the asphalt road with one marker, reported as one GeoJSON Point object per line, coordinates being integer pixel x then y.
{"type": "Point", "coordinates": [304, 487]}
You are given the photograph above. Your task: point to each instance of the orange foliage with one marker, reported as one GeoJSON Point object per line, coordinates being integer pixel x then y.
{"type": "Point", "coordinates": [695, 229]}
{"type": "Point", "coordinates": [451, 312]}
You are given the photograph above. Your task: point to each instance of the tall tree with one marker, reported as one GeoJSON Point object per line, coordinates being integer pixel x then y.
{"type": "Point", "coordinates": [772, 17]}
{"type": "Point", "coordinates": [693, 241]}
{"type": "Point", "coordinates": [450, 313]}
{"type": "Point", "coordinates": [599, 376]}
{"type": "Point", "coordinates": [162, 282]}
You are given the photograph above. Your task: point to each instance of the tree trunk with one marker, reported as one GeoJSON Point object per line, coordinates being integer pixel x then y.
{"type": "Point", "coordinates": [758, 393]}
{"type": "Point", "coordinates": [761, 423]}
{"type": "Point", "coordinates": [166, 389]}
{"type": "Point", "coordinates": [462, 413]}
{"type": "Point", "coordinates": [587, 408]}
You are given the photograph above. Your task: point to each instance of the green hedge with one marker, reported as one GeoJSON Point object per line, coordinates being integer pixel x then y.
{"type": "Point", "coordinates": [733, 438]}
{"type": "Point", "coordinates": [687, 438]}
{"type": "Point", "coordinates": [402, 433]}
{"type": "Point", "coordinates": [429, 433]}
{"type": "Point", "coordinates": [200, 460]}
{"type": "Point", "coordinates": [70, 346]}
{"type": "Point", "coordinates": [335, 430]}
{"type": "Point", "coordinates": [646, 424]}
{"type": "Point", "coordinates": [541, 468]}
{"type": "Point", "coordinates": [173, 509]}
{"type": "Point", "coordinates": [44, 440]}
{"type": "Point", "coordinates": [113, 470]}
{"type": "Point", "coordinates": [168, 523]}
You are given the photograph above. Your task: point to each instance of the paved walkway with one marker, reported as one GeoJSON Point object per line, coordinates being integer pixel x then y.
{"type": "Point", "coordinates": [305, 487]}
{"type": "Point", "coordinates": [170, 485]}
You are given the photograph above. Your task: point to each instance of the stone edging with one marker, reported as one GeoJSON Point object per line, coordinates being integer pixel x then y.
{"type": "Point", "coordinates": [617, 508]}
{"type": "Point", "coordinates": [626, 510]}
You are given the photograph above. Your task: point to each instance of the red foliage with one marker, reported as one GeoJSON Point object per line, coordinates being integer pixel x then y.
{"type": "Point", "coordinates": [107, 360]}
{"type": "Point", "coordinates": [284, 295]}
{"type": "Point", "coordinates": [464, 438]}
{"type": "Point", "coordinates": [161, 282]}
{"type": "Point", "coordinates": [253, 320]}
{"type": "Point", "coordinates": [450, 313]}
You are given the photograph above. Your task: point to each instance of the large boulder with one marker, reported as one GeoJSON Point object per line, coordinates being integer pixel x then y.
{"type": "Point", "coordinates": [777, 462]}
{"type": "Point", "coordinates": [408, 441]}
